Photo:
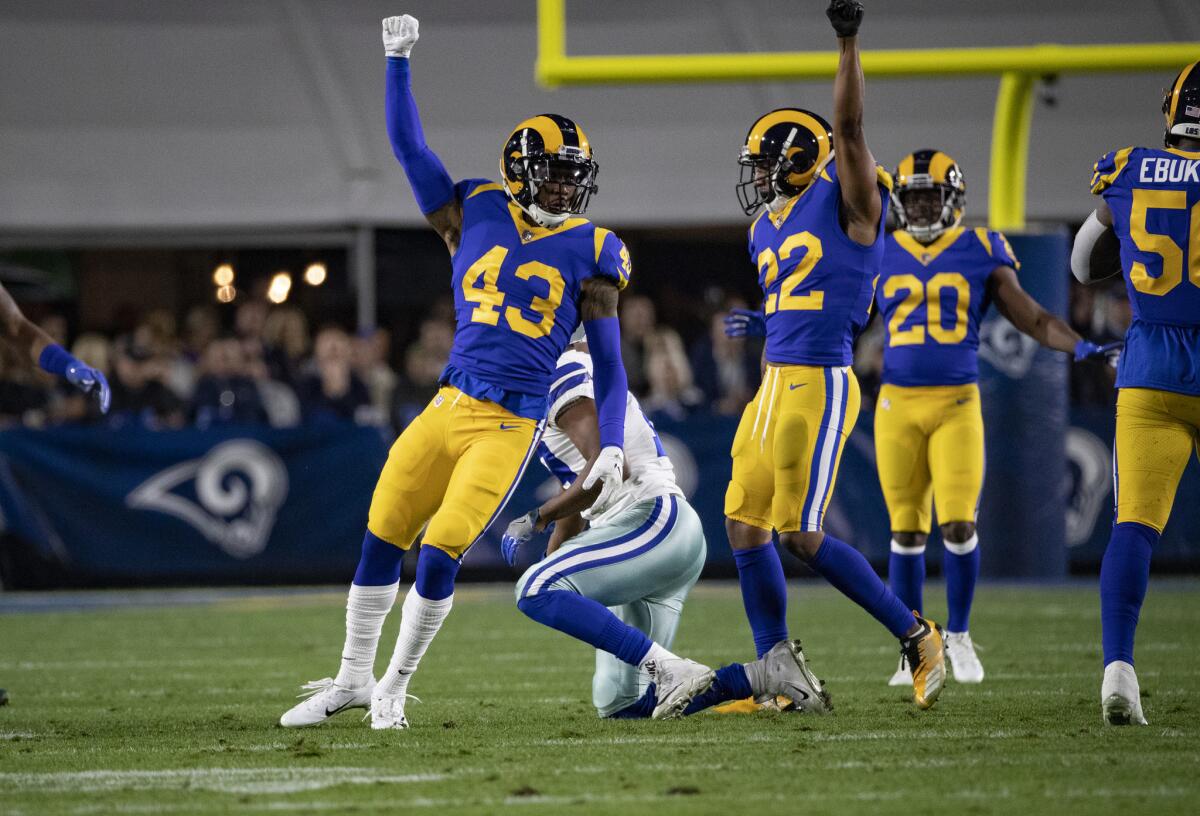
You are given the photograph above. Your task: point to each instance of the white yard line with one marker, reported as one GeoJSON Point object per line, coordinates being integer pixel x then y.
{"type": "Point", "coordinates": [219, 780]}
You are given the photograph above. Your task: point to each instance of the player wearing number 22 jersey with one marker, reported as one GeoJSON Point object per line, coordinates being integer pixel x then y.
{"type": "Point", "coordinates": [527, 270]}
{"type": "Point", "coordinates": [817, 245]}
{"type": "Point", "coordinates": [935, 285]}
{"type": "Point", "coordinates": [1148, 227]}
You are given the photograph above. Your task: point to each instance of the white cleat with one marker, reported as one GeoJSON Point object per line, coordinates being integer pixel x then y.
{"type": "Point", "coordinates": [960, 654]}
{"type": "Point", "coordinates": [789, 677]}
{"type": "Point", "coordinates": [324, 698]}
{"type": "Point", "coordinates": [677, 681]}
{"type": "Point", "coordinates": [387, 712]}
{"type": "Point", "coordinates": [903, 675]}
{"type": "Point", "coordinates": [1120, 697]}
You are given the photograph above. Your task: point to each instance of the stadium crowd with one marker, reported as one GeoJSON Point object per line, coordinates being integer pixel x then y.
{"type": "Point", "coordinates": [273, 366]}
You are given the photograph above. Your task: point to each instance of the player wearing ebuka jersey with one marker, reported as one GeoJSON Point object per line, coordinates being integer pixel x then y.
{"type": "Point", "coordinates": [817, 245]}
{"type": "Point", "coordinates": [620, 583]}
{"type": "Point", "coordinates": [1147, 226]}
{"type": "Point", "coordinates": [935, 286]}
{"type": "Point", "coordinates": [526, 272]}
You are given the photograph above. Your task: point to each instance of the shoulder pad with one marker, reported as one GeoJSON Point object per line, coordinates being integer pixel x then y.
{"type": "Point", "coordinates": [1109, 166]}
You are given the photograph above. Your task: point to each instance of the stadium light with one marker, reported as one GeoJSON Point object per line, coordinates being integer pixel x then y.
{"type": "Point", "coordinates": [315, 274]}
{"type": "Point", "coordinates": [226, 293]}
{"type": "Point", "coordinates": [280, 288]}
{"type": "Point", "coordinates": [223, 275]}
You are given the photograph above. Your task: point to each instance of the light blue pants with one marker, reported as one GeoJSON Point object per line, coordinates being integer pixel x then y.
{"type": "Point", "coordinates": [644, 586]}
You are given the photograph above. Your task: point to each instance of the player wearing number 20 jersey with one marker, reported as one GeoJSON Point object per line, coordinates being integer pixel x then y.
{"type": "Point", "coordinates": [1148, 226]}
{"type": "Point", "coordinates": [527, 271]}
{"type": "Point", "coordinates": [937, 282]}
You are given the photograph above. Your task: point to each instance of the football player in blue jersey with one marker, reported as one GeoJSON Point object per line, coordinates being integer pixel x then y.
{"type": "Point", "coordinates": [618, 579]}
{"type": "Point", "coordinates": [936, 283]}
{"type": "Point", "coordinates": [817, 244]}
{"type": "Point", "coordinates": [527, 270]}
{"type": "Point", "coordinates": [48, 355]}
{"type": "Point", "coordinates": [1147, 226]}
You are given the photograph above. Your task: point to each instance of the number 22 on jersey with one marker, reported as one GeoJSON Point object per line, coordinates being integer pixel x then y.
{"type": "Point", "coordinates": [489, 299]}
{"type": "Point", "coordinates": [786, 298]}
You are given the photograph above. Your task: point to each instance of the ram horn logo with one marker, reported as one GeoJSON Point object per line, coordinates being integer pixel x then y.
{"type": "Point", "coordinates": [1090, 463]}
{"type": "Point", "coordinates": [1004, 347]}
{"type": "Point", "coordinates": [239, 486]}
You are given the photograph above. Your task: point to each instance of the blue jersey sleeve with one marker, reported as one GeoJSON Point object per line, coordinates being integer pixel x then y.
{"type": "Point", "coordinates": [1001, 250]}
{"type": "Point", "coordinates": [1108, 168]}
{"type": "Point", "coordinates": [612, 258]}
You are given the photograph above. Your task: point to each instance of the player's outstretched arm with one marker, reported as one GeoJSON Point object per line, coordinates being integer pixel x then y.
{"type": "Point", "coordinates": [47, 354]}
{"type": "Point", "coordinates": [861, 201]}
{"type": "Point", "coordinates": [1028, 315]}
{"type": "Point", "coordinates": [598, 309]}
{"type": "Point", "coordinates": [430, 182]}
{"type": "Point", "coordinates": [1096, 254]}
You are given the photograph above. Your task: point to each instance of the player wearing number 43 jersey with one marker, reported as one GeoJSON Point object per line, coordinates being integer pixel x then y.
{"type": "Point", "coordinates": [818, 244]}
{"type": "Point", "coordinates": [527, 270]}
{"type": "Point", "coordinates": [935, 285]}
{"type": "Point", "coordinates": [1148, 227]}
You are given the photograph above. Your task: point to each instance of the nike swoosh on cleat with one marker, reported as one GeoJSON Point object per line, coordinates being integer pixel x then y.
{"type": "Point", "coordinates": [794, 386]}
{"type": "Point", "coordinates": [962, 401]}
{"type": "Point", "coordinates": [504, 427]}
{"type": "Point", "coordinates": [342, 707]}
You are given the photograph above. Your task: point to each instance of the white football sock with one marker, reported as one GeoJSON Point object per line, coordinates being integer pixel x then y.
{"type": "Point", "coordinates": [655, 655]}
{"type": "Point", "coordinates": [366, 608]}
{"type": "Point", "coordinates": [420, 620]}
{"type": "Point", "coordinates": [965, 548]}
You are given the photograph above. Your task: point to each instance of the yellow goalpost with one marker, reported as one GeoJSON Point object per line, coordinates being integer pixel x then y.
{"type": "Point", "coordinates": [1017, 66]}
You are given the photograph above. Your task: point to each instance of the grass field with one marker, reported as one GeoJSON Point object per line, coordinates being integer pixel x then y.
{"type": "Point", "coordinates": [172, 710]}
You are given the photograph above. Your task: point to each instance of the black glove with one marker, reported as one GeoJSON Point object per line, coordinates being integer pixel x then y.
{"type": "Point", "coordinates": [846, 16]}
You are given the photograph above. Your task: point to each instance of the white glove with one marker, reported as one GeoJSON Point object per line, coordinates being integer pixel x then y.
{"type": "Point", "coordinates": [399, 35]}
{"type": "Point", "coordinates": [610, 470]}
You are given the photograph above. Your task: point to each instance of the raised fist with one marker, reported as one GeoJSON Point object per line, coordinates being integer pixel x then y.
{"type": "Point", "coordinates": [846, 16]}
{"type": "Point", "coordinates": [399, 35]}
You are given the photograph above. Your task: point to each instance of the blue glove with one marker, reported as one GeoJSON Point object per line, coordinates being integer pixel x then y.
{"type": "Point", "coordinates": [520, 531]}
{"type": "Point", "coordinates": [1109, 352]}
{"type": "Point", "coordinates": [57, 360]}
{"type": "Point", "coordinates": [745, 323]}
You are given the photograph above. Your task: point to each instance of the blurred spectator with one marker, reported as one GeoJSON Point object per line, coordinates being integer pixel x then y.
{"type": "Point", "coordinates": [637, 327]}
{"type": "Point", "coordinates": [140, 394]}
{"type": "Point", "coordinates": [332, 390]}
{"type": "Point", "coordinates": [725, 368]}
{"type": "Point", "coordinates": [200, 327]}
{"type": "Point", "coordinates": [670, 387]}
{"type": "Point", "coordinates": [224, 393]}
{"type": "Point", "coordinates": [250, 319]}
{"type": "Point", "coordinates": [1101, 314]}
{"type": "Point", "coordinates": [424, 360]}
{"type": "Point", "coordinates": [370, 356]}
{"type": "Point", "coordinates": [285, 341]}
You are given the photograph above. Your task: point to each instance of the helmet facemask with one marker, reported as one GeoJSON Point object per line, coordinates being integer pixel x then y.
{"type": "Point", "coordinates": [925, 209]}
{"type": "Point", "coordinates": [554, 187]}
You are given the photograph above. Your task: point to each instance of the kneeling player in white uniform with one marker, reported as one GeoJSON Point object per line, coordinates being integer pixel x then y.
{"type": "Point", "coordinates": [620, 584]}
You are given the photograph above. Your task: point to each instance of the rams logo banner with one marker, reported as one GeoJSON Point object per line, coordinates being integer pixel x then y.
{"type": "Point", "coordinates": [230, 495]}
{"type": "Point", "coordinates": [129, 505]}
